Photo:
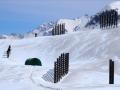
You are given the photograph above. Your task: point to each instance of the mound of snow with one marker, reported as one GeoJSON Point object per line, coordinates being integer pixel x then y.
{"type": "Point", "coordinates": [71, 24]}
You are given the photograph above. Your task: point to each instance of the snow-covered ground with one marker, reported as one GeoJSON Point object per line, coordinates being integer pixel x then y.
{"type": "Point", "coordinates": [89, 50]}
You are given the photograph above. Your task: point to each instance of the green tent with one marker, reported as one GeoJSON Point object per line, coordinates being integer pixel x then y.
{"type": "Point", "coordinates": [33, 61]}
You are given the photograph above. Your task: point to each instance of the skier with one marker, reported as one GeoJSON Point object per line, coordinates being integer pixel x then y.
{"type": "Point", "coordinates": [35, 34]}
{"type": "Point", "coordinates": [8, 51]}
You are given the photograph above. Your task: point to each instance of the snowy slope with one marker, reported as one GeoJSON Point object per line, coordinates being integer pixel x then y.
{"type": "Point", "coordinates": [89, 51]}
{"type": "Point", "coordinates": [82, 43]}
{"type": "Point", "coordinates": [42, 30]}
{"type": "Point", "coordinates": [71, 25]}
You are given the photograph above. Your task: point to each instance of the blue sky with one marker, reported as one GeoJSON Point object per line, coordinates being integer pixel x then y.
{"type": "Point", "coordinates": [21, 16]}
